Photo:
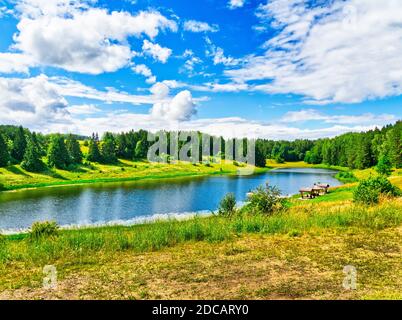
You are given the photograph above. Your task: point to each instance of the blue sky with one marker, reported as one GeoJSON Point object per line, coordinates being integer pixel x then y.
{"type": "Point", "coordinates": [275, 69]}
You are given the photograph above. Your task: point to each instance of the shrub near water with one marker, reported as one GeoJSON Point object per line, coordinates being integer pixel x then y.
{"type": "Point", "coordinates": [45, 229]}
{"type": "Point", "coordinates": [227, 206]}
{"type": "Point", "coordinates": [265, 200]}
{"type": "Point", "coordinates": [370, 190]}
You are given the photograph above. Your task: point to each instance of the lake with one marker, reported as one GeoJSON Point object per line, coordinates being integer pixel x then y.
{"type": "Point", "coordinates": [134, 202]}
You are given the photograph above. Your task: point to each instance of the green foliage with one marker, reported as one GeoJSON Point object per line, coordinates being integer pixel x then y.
{"type": "Point", "coordinates": [265, 199]}
{"type": "Point", "coordinates": [4, 155]}
{"type": "Point", "coordinates": [384, 165]}
{"type": "Point", "coordinates": [57, 154]}
{"type": "Point", "coordinates": [94, 154]}
{"type": "Point", "coordinates": [346, 177]}
{"type": "Point", "coordinates": [74, 149]}
{"type": "Point", "coordinates": [227, 206]}
{"type": "Point", "coordinates": [32, 161]}
{"type": "Point", "coordinates": [369, 190]}
{"type": "Point", "coordinates": [46, 229]}
{"type": "Point", "coordinates": [19, 145]}
{"type": "Point", "coordinates": [108, 150]}
{"type": "Point", "coordinates": [141, 150]}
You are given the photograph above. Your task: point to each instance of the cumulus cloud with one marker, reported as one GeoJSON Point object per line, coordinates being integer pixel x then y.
{"type": "Point", "coordinates": [198, 26]}
{"type": "Point", "coordinates": [15, 62]}
{"type": "Point", "coordinates": [31, 102]}
{"type": "Point", "coordinates": [234, 4]}
{"type": "Point", "coordinates": [343, 51]}
{"type": "Point", "coordinates": [156, 51]}
{"type": "Point", "coordinates": [77, 37]}
{"type": "Point", "coordinates": [39, 103]}
{"type": "Point", "coordinates": [180, 108]}
{"type": "Point", "coordinates": [145, 71]}
{"type": "Point", "coordinates": [160, 90]}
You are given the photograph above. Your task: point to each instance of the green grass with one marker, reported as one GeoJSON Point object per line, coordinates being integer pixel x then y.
{"type": "Point", "coordinates": [81, 254]}
{"type": "Point", "coordinates": [14, 177]}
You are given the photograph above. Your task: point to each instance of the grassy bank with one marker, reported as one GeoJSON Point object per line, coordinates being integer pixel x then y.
{"type": "Point", "coordinates": [308, 240]}
{"type": "Point", "coordinates": [15, 178]}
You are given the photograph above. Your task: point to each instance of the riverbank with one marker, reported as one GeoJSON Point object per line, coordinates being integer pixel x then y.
{"type": "Point", "coordinates": [14, 178]}
{"type": "Point", "coordinates": [246, 257]}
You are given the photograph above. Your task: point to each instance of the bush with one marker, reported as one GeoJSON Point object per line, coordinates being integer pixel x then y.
{"type": "Point", "coordinates": [346, 176]}
{"type": "Point", "coordinates": [2, 187]}
{"type": "Point", "coordinates": [369, 190]}
{"type": "Point", "coordinates": [44, 229]}
{"type": "Point", "coordinates": [227, 206]}
{"type": "Point", "coordinates": [265, 199]}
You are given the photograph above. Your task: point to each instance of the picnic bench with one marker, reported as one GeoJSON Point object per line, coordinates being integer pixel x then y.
{"type": "Point", "coordinates": [315, 191]}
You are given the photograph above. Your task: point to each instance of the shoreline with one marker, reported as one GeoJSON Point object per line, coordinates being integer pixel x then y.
{"type": "Point", "coordinates": [72, 183]}
{"type": "Point", "coordinates": [270, 166]}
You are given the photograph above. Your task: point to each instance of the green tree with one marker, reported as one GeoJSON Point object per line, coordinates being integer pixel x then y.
{"type": "Point", "coordinates": [4, 155]}
{"type": "Point", "coordinates": [260, 158]}
{"type": "Point", "coordinates": [141, 150]}
{"type": "Point", "coordinates": [32, 161]}
{"type": "Point", "coordinates": [74, 149]}
{"type": "Point", "coordinates": [57, 154]}
{"type": "Point", "coordinates": [108, 150]}
{"type": "Point", "coordinates": [94, 154]}
{"type": "Point", "coordinates": [19, 145]}
{"type": "Point", "coordinates": [384, 166]}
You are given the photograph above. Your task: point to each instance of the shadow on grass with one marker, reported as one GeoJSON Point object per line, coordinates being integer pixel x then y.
{"type": "Point", "coordinates": [15, 170]}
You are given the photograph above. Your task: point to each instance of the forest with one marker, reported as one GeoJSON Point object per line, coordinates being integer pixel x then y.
{"type": "Point", "coordinates": [36, 152]}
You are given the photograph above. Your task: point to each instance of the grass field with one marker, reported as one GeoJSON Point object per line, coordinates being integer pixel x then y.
{"type": "Point", "coordinates": [14, 177]}
{"type": "Point", "coordinates": [299, 253]}
{"type": "Point", "coordinates": [296, 254]}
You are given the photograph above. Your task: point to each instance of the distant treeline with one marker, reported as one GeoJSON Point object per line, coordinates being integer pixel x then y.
{"type": "Point", "coordinates": [354, 150]}
{"type": "Point", "coordinates": [35, 152]}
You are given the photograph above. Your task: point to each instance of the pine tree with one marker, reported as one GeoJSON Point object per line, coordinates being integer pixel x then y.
{"type": "Point", "coordinates": [108, 150]}
{"type": "Point", "coordinates": [141, 150]}
{"type": "Point", "coordinates": [32, 158]}
{"type": "Point", "coordinates": [94, 154]}
{"type": "Point", "coordinates": [57, 155]}
{"type": "Point", "coordinates": [260, 159]}
{"type": "Point", "coordinates": [4, 155]}
{"type": "Point", "coordinates": [74, 149]}
{"type": "Point", "coordinates": [19, 145]}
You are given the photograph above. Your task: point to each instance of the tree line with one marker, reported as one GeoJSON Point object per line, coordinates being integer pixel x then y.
{"type": "Point", "coordinates": [35, 151]}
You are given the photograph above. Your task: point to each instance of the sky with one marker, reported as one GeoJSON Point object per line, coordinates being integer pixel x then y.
{"type": "Point", "coordinates": [272, 69]}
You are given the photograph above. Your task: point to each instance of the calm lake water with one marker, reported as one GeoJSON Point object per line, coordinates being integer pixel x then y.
{"type": "Point", "coordinates": [132, 202]}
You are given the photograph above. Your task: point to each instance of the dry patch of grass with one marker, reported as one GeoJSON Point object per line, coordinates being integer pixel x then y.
{"type": "Point", "coordinates": [308, 266]}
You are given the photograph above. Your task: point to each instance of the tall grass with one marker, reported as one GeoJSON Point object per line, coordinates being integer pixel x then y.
{"type": "Point", "coordinates": [73, 244]}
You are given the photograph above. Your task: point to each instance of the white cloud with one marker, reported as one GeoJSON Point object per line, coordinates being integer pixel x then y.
{"type": "Point", "coordinates": [218, 55]}
{"type": "Point", "coordinates": [145, 71]}
{"type": "Point", "coordinates": [198, 26]}
{"type": "Point", "coordinates": [31, 102]}
{"type": "Point", "coordinates": [77, 37]}
{"type": "Point", "coordinates": [83, 109]}
{"type": "Point", "coordinates": [180, 108]}
{"type": "Point", "coordinates": [315, 115]}
{"type": "Point", "coordinates": [39, 103]}
{"type": "Point", "coordinates": [344, 51]}
{"type": "Point", "coordinates": [15, 62]}
{"type": "Point", "coordinates": [160, 90]}
{"type": "Point", "coordinates": [234, 4]}
{"type": "Point", "coordinates": [156, 51]}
